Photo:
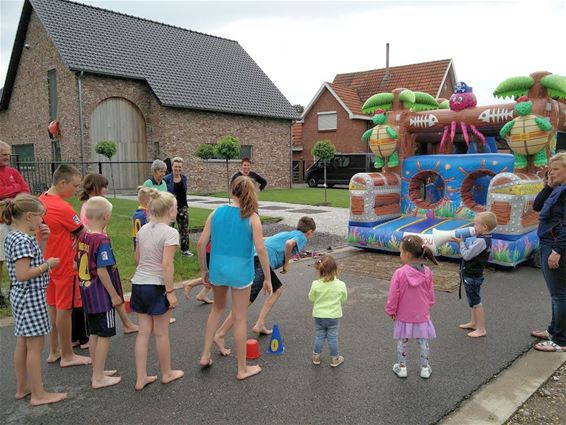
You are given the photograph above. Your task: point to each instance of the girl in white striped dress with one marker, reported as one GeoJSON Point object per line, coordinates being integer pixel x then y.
{"type": "Point", "coordinates": [29, 275]}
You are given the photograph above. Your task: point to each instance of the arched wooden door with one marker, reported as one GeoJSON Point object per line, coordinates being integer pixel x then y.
{"type": "Point", "coordinates": [119, 120]}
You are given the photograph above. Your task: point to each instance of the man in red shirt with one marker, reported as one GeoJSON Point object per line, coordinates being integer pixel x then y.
{"type": "Point", "coordinates": [63, 290]}
{"type": "Point", "coordinates": [11, 184]}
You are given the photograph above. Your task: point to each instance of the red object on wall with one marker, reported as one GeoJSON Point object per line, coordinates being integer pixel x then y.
{"type": "Point", "coordinates": [53, 129]}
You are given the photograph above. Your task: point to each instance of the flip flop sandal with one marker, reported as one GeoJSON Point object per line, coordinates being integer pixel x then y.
{"type": "Point", "coordinates": [549, 347]}
{"type": "Point", "coordinates": [541, 334]}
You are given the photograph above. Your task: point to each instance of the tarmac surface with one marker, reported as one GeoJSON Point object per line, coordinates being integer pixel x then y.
{"type": "Point", "coordinates": [290, 390]}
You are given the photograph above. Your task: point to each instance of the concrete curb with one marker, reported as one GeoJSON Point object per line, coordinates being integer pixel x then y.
{"type": "Point", "coordinates": [496, 401]}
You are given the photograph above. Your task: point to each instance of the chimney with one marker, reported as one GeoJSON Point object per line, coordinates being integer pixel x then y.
{"type": "Point", "coordinates": [386, 76]}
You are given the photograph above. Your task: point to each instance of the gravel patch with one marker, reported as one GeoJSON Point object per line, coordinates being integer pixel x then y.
{"type": "Point", "coordinates": [546, 405]}
{"type": "Point", "coordinates": [320, 242]}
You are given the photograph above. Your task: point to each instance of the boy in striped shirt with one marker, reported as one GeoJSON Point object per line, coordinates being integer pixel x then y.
{"type": "Point", "coordinates": [100, 286]}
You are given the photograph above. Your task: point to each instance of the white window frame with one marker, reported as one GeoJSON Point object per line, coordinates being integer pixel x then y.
{"type": "Point", "coordinates": [327, 125]}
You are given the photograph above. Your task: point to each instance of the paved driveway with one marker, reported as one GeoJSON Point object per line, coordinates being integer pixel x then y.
{"type": "Point", "coordinates": [291, 390]}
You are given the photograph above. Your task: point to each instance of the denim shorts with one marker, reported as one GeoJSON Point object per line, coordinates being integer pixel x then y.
{"type": "Point", "coordinates": [472, 285]}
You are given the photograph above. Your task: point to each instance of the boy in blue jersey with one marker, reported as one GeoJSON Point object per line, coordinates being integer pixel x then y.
{"type": "Point", "coordinates": [140, 216]}
{"type": "Point", "coordinates": [100, 287]}
{"type": "Point", "coordinates": [280, 248]}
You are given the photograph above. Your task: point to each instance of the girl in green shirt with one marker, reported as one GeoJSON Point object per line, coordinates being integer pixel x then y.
{"type": "Point", "coordinates": [327, 295]}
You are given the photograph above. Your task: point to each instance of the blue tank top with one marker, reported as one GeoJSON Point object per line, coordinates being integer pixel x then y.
{"type": "Point", "coordinates": [232, 248]}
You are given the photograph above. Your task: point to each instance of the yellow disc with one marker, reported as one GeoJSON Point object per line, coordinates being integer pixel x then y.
{"type": "Point", "coordinates": [274, 345]}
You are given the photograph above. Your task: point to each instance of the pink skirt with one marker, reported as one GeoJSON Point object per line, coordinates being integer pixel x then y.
{"type": "Point", "coordinates": [413, 330]}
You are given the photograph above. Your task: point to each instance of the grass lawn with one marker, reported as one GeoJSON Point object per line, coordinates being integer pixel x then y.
{"type": "Point", "coordinates": [120, 230]}
{"type": "Point", "coordinates": [305, 196]}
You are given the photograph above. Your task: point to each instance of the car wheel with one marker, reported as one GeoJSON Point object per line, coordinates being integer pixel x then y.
{"type": "Point", "coordinates": [312, 182]}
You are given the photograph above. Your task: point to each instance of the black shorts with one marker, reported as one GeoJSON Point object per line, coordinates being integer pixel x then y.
{"type": "Point", "coordinates": [101, 324]}
{"type": "Point", "coordinates": [149, 299]}
{"type": "Point", "coordinates": [257, 284]}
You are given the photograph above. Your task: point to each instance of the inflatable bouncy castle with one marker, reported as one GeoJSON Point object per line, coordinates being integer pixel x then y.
{"type": "Point", "coordinates": [489, 158]}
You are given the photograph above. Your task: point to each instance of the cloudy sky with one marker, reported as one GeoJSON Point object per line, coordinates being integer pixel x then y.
{"type": "Point", "coordinates": [299, 45]}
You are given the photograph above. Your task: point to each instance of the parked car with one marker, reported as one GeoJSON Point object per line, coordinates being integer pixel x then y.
{"type": "Point", "coordinates": [340, 169]}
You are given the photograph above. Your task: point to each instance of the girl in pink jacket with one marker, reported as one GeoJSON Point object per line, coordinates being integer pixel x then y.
{"type": "Point", "coordinates": [411, 294]}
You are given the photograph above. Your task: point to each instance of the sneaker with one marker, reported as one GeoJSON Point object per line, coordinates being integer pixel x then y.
{"type": "Point", "coordinates": [187, 253]}
{"type": "Point", "coordinates": [336, 361]}
{"type": "Point", "coordinates": [315, 359]}
{"type": "Point", "coordinates": [400, 371]}
{"type": "Point", "coordinates": [425, 372]}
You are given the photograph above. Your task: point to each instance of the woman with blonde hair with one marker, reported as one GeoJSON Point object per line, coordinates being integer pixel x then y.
{"type": "Point", "coordinates": [551, 204]}
{"type": "Point", "coordinates": [234, 229]}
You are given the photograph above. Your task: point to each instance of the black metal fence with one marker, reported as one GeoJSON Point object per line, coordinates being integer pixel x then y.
{"type": "Point", "coordinates": [128, 175]}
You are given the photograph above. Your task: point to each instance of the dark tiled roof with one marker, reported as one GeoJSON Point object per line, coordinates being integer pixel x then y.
{"type": "Point", "coordinates": [185, 69]}
{"type": "Point", "coordinates": [426, 77]}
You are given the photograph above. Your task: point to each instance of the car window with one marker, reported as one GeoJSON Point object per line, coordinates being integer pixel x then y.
{"type": "Point", "coordinates": [341, 161]}
{"type": "Point", "coordinates": [357, 161]}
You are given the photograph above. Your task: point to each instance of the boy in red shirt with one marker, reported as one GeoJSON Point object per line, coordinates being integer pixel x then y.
{"type": "Point", "coordinates": [65, 229]}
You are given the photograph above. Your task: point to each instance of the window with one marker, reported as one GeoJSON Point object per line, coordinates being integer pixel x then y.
{"type": "Point", "coordinates": [246, 151]}
{"type": "Point", "coordinates": [327, 121]}
{"type": "Point", "coordinates": [52, 87]}
{"type": "Point", "coordinates": [341, 161]}
{"type": "Point", "coordinates": [24, 154]}
{"type": "Point", "coordinates": [56, 150]}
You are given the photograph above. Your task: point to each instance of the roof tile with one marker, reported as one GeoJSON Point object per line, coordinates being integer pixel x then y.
{"type": "Point", "coordinates": [184, 68]}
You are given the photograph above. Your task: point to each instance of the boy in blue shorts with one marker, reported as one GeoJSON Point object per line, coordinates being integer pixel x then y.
{"type": "Point", "coordinates": [475, 255]}
{"type": "Point", "coordinates": [99, 282]}
{"type": "Point", "coordinates": [280, 248]}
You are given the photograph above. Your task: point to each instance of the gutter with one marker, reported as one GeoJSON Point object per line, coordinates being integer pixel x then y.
{"type": "Point", "coordinates": [81, 132]}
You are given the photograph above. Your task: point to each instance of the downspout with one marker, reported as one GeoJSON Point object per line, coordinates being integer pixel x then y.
{"type": "Point", "coordinates": [81, 133]}
{"type": "Point", "coordinates": [291, 153]}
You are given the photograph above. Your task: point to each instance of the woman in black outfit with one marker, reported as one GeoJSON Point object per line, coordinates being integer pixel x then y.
{"type": "Point", "coordinates": [551, 204]}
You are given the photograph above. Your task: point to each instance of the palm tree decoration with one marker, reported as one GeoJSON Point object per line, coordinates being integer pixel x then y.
{"type": "Point", "coordinates": [538, 84]}
{"type": "Point", "coordinates": [555, 86]}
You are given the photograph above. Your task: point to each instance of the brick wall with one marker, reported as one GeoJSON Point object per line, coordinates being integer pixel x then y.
{"type": "Point", "coordinates": [348, 132]}
{"type": "Point", "coordinates": [178, 131]}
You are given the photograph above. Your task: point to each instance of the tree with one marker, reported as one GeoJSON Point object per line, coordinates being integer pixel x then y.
{"type": "Point", "coordinates": [108, 149]}
{"type": "Point", "coordinates": [299, 108]}
{"type": "Point", "coordinates": [205, 151]}
{"type": "Point", "coordinates": [324, 150]}
{"type": "Point", "coordinates": [227, 148]}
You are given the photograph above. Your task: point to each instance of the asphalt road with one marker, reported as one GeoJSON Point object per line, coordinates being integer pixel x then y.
{"type": "Point", "coordinates": [290, 390]}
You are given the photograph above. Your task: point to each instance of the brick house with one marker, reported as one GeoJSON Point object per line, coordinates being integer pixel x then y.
{"type": "Point", "coordinates": [156, 90]}
{"type": "Point", "coordinates": [335, 112]}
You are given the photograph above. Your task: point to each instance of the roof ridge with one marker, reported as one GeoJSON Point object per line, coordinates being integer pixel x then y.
{"type": "Point", "coordinates": [138, 18]}
{"type": "Point", "coordinates": [392, 67]}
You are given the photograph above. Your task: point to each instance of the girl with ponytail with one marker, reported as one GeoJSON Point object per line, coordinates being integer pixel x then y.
{"type": "Point", "coordinates": [411, 294]}
{"type": "Point", "coordinates": [29, 276]}
{"type": "Point", "coordinates": [235, 230]}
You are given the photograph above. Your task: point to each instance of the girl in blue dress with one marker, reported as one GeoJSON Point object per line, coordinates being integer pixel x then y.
{"type": "Point", "coordinates": [234, 231]}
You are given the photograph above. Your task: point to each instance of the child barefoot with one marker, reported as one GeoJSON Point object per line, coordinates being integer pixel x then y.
{"type": "Point", "coordinates": [411, 294]}
{"type": "Point", "coordinates": [235, 230]}
{"type": "Point", "coordinates": [475, 254]}
{"type": "Point", "coordinates": [327, 295]}
{"type": "Point", "coordinates": [99, 279]}
{"type": "Point", "coordinates": [97, 185]}
{"type": "Point", "coordinates": [28, 273]}
{"type": "Point", "coordinates": [140, 219]}
{"type": "Point", "coordinates": [153, 295]}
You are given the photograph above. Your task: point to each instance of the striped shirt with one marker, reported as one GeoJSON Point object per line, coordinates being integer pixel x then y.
{"type": "Point", "coordinates": [94, 252]}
